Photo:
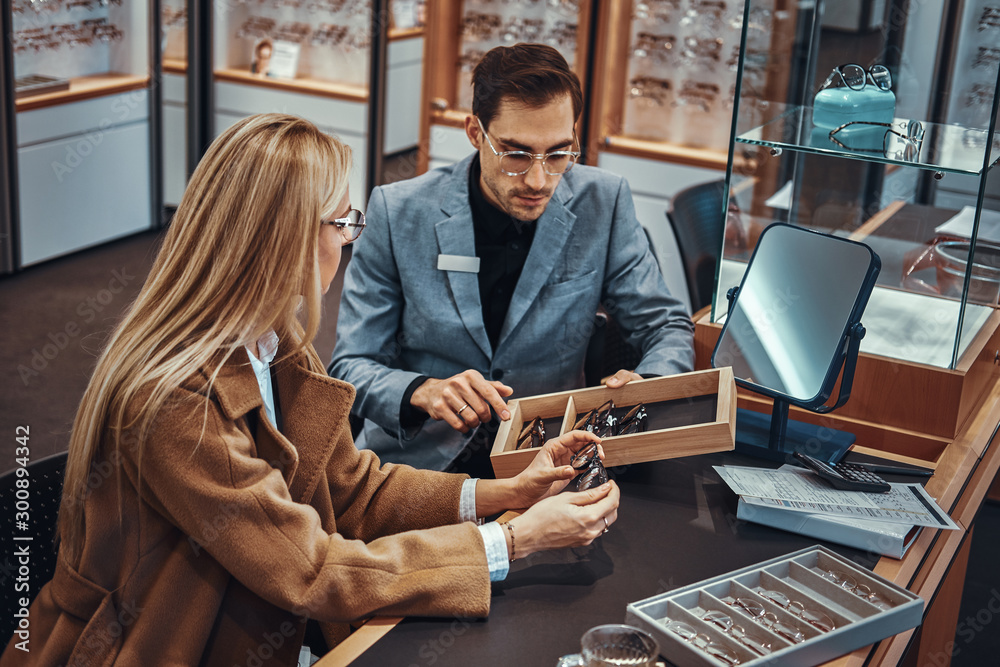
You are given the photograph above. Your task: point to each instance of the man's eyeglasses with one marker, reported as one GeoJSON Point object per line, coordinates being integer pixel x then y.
{"type": "Point", "coordinates": [350, 226]}
{"type": "Point", "coordinates": [856, 77]}
{"type": "Point", "coordinates": [891, 140]}
{"type": "Point", "coordinates": [515, 163]}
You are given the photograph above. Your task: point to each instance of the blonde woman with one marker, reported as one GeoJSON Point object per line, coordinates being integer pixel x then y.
{"type": "Point", "coordinates": [214, 500]}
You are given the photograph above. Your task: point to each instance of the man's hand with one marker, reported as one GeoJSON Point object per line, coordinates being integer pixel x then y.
{"type": "Point", "coordinates": [622, 378]}
{"type": "Point", "coordinates": [463, 400]}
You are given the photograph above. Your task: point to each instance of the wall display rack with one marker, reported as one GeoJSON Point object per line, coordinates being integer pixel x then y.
{"type": "Point", "coordinates": [79, 94]}
{"type": "Point", "coordinates": [662, 104]}
{"type": "Point", "coordinates": [459, 33]}
{"type": "Point", "coordinates": [318, 59]}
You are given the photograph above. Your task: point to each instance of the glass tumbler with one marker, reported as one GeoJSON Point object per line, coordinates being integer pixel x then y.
{"type": "Point", "coordinates": [607, 645]}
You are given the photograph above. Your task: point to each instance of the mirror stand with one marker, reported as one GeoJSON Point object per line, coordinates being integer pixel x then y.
{"type": "Point", "coordinates": [793, 329]}
{"type": "Point", "coordinates": [777, 438]}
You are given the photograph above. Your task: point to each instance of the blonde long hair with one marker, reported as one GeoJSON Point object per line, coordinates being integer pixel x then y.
{"type": "Point", "coordinates": [240, 258]}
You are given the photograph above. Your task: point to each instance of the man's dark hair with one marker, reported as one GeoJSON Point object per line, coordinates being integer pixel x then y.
{"type": "Point", "coordinates": [532, 74]}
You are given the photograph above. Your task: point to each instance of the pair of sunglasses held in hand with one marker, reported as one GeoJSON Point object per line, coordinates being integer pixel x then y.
{"type": "Point", "coordinates": [600, 421]}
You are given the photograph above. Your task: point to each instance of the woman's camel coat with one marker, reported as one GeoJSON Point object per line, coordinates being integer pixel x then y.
{"type": "Point", "coordinates": [235, 538]}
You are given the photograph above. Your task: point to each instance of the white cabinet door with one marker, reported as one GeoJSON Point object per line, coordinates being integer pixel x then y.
{"type": "Point", "coordinates": [83, 190]}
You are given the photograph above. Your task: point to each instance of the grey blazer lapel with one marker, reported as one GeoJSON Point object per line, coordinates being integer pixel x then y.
{"type": "Point", "coordinates": [456, 236]}
{"type": "Point", "coordinates": [552, 232]}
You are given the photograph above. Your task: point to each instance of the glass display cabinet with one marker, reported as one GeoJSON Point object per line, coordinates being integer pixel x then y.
{"type": "Point", "coordinates": [880, 111]}
{"type": "Point", "coordinates": [873, 121]}
{"type": "Point", "coordinates": [82, 123]}
{"type": "Point", "coordinates": [173, 54]}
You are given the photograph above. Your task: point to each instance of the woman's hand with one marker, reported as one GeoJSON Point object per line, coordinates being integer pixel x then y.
{"type": "Point", "coordinates": [566, 520]}
{"type": "Point", "coordinates": [547, 474]}
{"type": "Point", "coordinates": [550, 471]}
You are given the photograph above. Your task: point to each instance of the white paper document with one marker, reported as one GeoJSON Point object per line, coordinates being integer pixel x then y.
{"type": "Point", "coordinates": [961, 224]}
{"type": "Point", "coordinates": [806, 492]}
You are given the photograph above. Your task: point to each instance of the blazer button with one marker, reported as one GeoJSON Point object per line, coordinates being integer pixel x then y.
{"type": "Point", "coordinates": [497, 374]}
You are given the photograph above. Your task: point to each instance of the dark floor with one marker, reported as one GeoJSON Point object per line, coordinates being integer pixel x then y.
{"type": "Point", "coordinates": [56, 317]}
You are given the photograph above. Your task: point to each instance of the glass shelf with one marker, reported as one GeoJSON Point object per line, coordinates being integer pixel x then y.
{"type": "Point", "coordinates": [945, 148]}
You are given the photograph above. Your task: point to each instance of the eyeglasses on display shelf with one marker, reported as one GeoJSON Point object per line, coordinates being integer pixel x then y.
{"type": "Point", "coordinates": [694, 41]}
{"type": "Point", "coordinates": [485, 24]}
{"type": "Point", "coordinates": [895, 145]}
{"type": "Point", "coordinates": [989, 19]}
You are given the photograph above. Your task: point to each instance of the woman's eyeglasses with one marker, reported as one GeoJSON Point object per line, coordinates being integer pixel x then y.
{"type": "Point", "coordinates": [856, 77]}
{"type": "Point", "coordinates": [895, 144]}
{"type": "Point", "coordinates": [515, 163]}
{"type": "Point", "coordinates": [350, 226]}
{"type": "Point", "coordinates": [588, 463]}
{"type": "Point", "coordinates": [532, 435]}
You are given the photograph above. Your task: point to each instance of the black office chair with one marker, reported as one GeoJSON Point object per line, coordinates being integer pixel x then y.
{"type": "Point", "coordinates": [40, 502]}
{"type": "Point", "coordinates": [696, 218]}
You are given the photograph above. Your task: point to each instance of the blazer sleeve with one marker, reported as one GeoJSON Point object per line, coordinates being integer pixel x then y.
{"type": "Point", "coordinates": [236, 508]}
{"type": "Point", "coordinates": [368, 322]}
{"type": "Point", "coordinates": [656, 322]}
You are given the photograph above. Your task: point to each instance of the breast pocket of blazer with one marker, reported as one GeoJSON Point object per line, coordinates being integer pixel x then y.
{"type": "Point", "coordinates": [574, 287]}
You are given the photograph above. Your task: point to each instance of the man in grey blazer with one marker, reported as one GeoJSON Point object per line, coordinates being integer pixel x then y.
{"type": "Point", "coordinates": [480, 282]}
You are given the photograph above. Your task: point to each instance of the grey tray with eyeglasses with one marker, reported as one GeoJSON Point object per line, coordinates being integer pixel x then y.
{"type": "Point", "coordinates": [804, 608]}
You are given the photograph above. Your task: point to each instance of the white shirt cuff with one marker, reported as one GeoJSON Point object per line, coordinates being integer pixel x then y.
{"type": "Point", "coordinates": [467, 502]}
{"type": "Point", "coordinates": [497, 557]}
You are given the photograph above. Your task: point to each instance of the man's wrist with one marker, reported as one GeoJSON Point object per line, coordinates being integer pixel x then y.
{"type": "Point", "coordinates": [409, 414]}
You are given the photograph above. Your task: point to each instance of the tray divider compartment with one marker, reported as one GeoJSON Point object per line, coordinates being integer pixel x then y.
{"type": "Point", "coordinates": [808, 598]}
{"type": "Point", "coordinates": [710, 602]}
{"type": "Point", "coordinates": [862, 576]}
{"type": "Point", "coordinates": [785, 616]}
{"type": "Point", "coordinates": [703, 627]}
{"type": "Point", "coordinates": [516, 425]}
{"type": "Point", "coordinates": [845, 601]}
{"type": "Point", "coordinates": [569, 416]}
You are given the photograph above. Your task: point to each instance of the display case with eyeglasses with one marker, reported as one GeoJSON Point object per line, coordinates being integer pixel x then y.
{"type": "Point", "coordinates": [801, 609]}
{"type": "Point", "coordinates": [668, 72]}
{"type": "Point", "coordinates": [869, 128]}
{"type": "Point", "coordinates": [646, 420]}
{"type": "Point", "coordinates": [459, 33]}
{"type": "Point", "coordinates": [79, 115]}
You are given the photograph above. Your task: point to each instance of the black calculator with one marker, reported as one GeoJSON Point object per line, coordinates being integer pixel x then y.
{"type": "Point", "coordinates": [845, 476]}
